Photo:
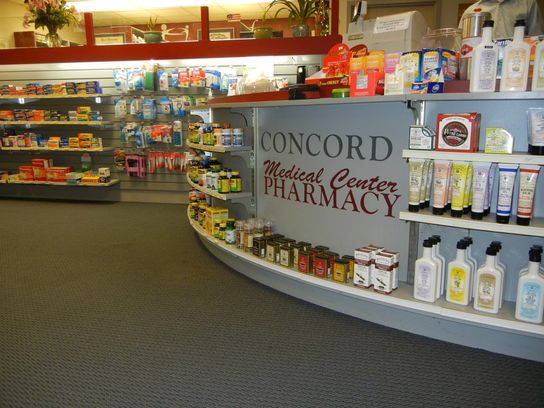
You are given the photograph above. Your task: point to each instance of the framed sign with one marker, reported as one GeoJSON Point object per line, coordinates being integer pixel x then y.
{"type": "Point", "coordinates": [218, 34]}
{"type": "Point", "coordinates": [109, 38]}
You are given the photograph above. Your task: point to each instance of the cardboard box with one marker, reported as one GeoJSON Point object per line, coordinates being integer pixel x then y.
{"type": "Point", "coordinates": [214, 214]}
{"type": "Point", "coordinates": [57, 174]}
{"type": "Point", "coordinates": [457, 132]}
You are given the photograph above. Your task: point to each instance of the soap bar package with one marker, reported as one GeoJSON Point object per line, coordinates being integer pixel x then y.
{"type": "Point", "coordinates": [457, 132]}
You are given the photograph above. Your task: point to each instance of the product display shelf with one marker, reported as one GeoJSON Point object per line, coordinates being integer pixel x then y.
{"type": "Point", "coordinates": [516, 158]}
{"type": "Point", "coordinates": [29, 97]}
{"type": "Point", "coordinates": [50, 183]}
{"type": "Point", "coordinates": [477, 96]}
{"type": "Point", "coordinates": [60, 149]}
{"type": "Point", "coordinates": [536, 229]}
{"type": "Point", "coordinates": [215, 194]}
{"type": "Point", "coordinates": [55, 122]}
{"type": "Point", "coordinates": [401, 298]}
{"type": "Point", "coordinates": [218, 149]}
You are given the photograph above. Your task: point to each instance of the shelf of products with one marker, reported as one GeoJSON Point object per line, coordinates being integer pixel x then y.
{"type": "Point", "coordinates": [426, 216]}
{"type": "Point", "coordinates": [50, 183]}
{"type": "Point", "coordinates": [60, 149]}
{"type": "Point", "coordinates": [218, 149]}
{"type": "Point", "coordinates": [49, 122]}
{"type": "Point", "coordinates": [401, 298]}
{"type": "Point", "coordinates": [521, 158]}
{"type": "Point", "coordinates": [215, 194]}
{"type": "Point", "coordinates": [54, 96]}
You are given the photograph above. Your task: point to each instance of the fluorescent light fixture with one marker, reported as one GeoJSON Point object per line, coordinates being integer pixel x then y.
{"type": "Point", "coordinates": [130, 5]}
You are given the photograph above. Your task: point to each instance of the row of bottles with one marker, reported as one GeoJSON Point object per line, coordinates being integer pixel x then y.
{"type": "Point", "coordinates": [515, 65]}
{"type": "Point", "coordinates": [463, 281]}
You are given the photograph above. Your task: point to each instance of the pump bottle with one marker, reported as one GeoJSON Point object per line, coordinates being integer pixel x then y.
{"type": "Point", "coordinates": [442, 275]}
{"type": "Point", "coordinates": [459, 277]}
{"type": "Point", "coordinates": [515, 66]}
{"type": "Point", "coordinates": [499, 265]}
{"type": "Point", "coordinates": [538, 70]}
{"type": "Point", "coordinates": [539, 249]}
{"type": "Point", "coordinates": [425, 274]}
{"type": "Point", "coordinates": [484, 62]}
{"type": "Point", "coordinates": [488, 284]}
{"type": "Point", "coordinates": [530, 296]}
{"type": "Point", "coordinates": [472, 262]}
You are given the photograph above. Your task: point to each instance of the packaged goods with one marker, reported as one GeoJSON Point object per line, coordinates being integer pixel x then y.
{"type": "Point", "coordinates": [26, 173]}
{"type": "Point", "coordinates": [362, 269]}
{"type": "Point", "coordinates": [57, 174]}
{"type": "Point", "coordinates": [457, 132]}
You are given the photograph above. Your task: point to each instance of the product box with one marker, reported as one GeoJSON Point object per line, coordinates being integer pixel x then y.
{"type": "Point", "coordinates": [498, 141]}
{"type": "Point", "coordinates": [214, 214]}
{"type": "Point", "coordinates": [57, 174]}
{"type": "Point", "coordinates": [85, 140]}
{"type": "Point", "coordinates": [438, 65]}
{"type": "Point", "coordinates": [421, 138]}
{"type": "Point", "coordinates": [26, 173]}
{"type": "Point", "coordinates": [457, 132]}
{"type": "Point", "coordinates": [90, 179]}
{"type": "Point", "coordinates": [411, 62]}
{"type": "Point", "coordinates": [73, 177]}
{"type": "Point", "coordinates": [362, 269]}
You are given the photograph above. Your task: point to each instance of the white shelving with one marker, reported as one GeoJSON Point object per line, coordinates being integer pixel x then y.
{"type": "Point", "coordinates": [215, 194]}
{"type": "Point", "coordinates": [401, 298]}
{"type": "Point", "coordinates": [536, 228]}
{"type": "Point", "coordinates": [60, 149]}
{"type": "Point", "coordinates": [218, 149]}
{"type": "Point", "coordinates": [55, 122]}
{"type": "Point", "coordinates": [521, 158]}
{"type": "Point", "coordinates": [56, 96]}
{"type": "Point", "coordinates": [50, 183]}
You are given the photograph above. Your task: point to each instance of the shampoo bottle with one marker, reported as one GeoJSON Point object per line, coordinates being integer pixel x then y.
{"type": "Point", "coordinates": [500, 266]}
{"type": "Point", "coordinates": [425, 274]}
{"type": "Point", "coordinates": [459, 277]}
{"type": "Point", "coordinates": [442, 275]}
{"type": "Point", "coordinates": [488, 285]}
{"type": "Point", "coordinates": [472, 262]}
{"type": "Point", "coordinates": [439, 264]}
{"type": "Point", "coordinates": [530, 296]}
{"type": "Point", "coordinates": [539, 249]}
{"type": "Point", "coordinates": [515, 65]}
{"type": "Point", "coordinates": [484, 62]}
{"type": "Point", "coordinates": [538, 70]}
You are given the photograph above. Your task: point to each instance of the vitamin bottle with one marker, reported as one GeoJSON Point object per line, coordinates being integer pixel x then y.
{"type": "Point", "coordinates": [425, 274]}
{"type": "Point", "coordinates": [515, 65]}
{"type": "Point", "coordinates": [223, 185]}
{"type": "Point", "coordinates": [459, 277]}
{"type": "Point", "coordinates": [484, 62]}
{"type": "Point", "coordinates": [530, 295]}
{"type": "Point", "coordinates": [235, 182]}
{"type": "Point", "coordinates": [488, 284]}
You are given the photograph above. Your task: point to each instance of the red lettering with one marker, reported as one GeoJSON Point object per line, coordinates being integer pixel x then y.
{"type": "Point", "coordinates": [309, 193]}
{"type": "Point", "coordinates": [362, 202]}
{"type": "Point", "coordinates": [267, 183]}
{"type": "Point", "coordinates": [280, 188]}
{"type": "Point", "coordinates": [293, 190]}
{"type": "Point", "coordinates": [350, 200]}
{"type": "Point", "coordinates": [390, 204]}
{"type": "Point", "coordinates": [327, 200]}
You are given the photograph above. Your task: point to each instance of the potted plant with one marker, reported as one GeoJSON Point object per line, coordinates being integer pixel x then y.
{"type": "Point", "coordinates": [152, 35]}
{"type": "Point", "coordinates": [298, 10]}
{"type": "Point", "coordinates": [262, 30]}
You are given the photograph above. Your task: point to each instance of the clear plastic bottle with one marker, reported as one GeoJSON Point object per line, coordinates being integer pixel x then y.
{"type": "Point", "coordinates": [267, 231]}
{"type": "Point", "coordinates": [484, 62]}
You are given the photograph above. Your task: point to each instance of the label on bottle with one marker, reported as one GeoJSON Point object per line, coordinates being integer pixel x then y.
{"type": "Point", "coordinates": [516, 68]}
{"type": "Point", "coordinates": [487, 70]}
{"type": "Point", "coordinates": [506, 185]}
{"type": "Point", "coordinates": [487, 286]}
{"type": "Point", "coordinates": [538, 72]}
{"type": "Point", "coordinates": [457, 285]}
{"type": "Point", "coordinates": [531, 293]}
{"type": "Point", "coordinates": [423, 282]}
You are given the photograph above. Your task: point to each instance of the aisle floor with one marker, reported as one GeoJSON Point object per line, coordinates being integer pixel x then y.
{"type": "Point", "coordinates": [119, 305]}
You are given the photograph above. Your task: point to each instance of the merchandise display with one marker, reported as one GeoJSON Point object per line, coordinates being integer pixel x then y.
{"type": "Point", "coordinates": [31, 140]}
{"type": "Point", "coordinates": [81, 114]}
{"type": "Point", "coordinates": [64, 88]}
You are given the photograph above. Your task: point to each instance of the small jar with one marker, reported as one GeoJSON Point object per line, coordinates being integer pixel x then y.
{"type": "Point", "coordinates": [218, 137]}
{"type": "Point", "coordinates": [248, 236]}
{"type": "Point", "coordinates": [235, 182]}
{"type": "Point", "coordinates": [230, 232]}
{"type": "Point", "coordinates": [202, 177]}
{"type": "Point", "coordinates": [239, 227]}
{"type": "Point", "coordinates": [267, 228]}
{"type": "Point", "coordinates": [209, 181]}
{"type": "Point", "coordinates": [258, 228]}
{"type": "Point", "coordinates": [222, 230]}
{"type": "Point", "coordinates": [214, 164]}
{"type": "Point", "coordinates": [216, 229]}
{"type": "Point", "coordinates": [215, 180]}
{"type": "Point", "coordinates": [223, 185]}
{"type": "Point", "coordinates": [227, 137]}
{"type": "Point", "coordinates": [237, 137]}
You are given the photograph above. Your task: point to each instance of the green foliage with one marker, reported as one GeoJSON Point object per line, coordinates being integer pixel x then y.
{"type": "Point", "coordinates": [151, 24]}
{"type": "Point", "coordinates": [299, 10]}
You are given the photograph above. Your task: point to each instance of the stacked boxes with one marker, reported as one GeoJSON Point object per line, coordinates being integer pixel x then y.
{"type": "Point", "coordinates": [214, 214]}
{"type": "Point", "coordinates": [377, 267]}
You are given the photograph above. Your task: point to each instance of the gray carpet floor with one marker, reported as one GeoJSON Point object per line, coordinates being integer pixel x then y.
{"type": "Point", "coordinates": [119, 305]}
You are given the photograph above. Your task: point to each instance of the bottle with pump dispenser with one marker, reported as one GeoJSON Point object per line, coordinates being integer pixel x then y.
{"type": "Point", "coordinates": [425, 274]}
{"type": "Point", "coordinates": [459, 277]}
{"type": "Point", "coordinates": [485, 55]}
{"type": "Point", "coordinates": [472, 262]}
{"type": "Point", "coordinates": [530, 294]}
{"type": "Point", "coordinates": [441, 273]}
{"type": "Point", "coordinates": [488, 284]}
{"type": "Point", "coordinates": [539, 249]}
{"type": "Point", "coordinates": [515, 65]}
{"type": "Point", "coordinates": [500, 266]}
{"type": "Point", "coordinates": [538, 70]}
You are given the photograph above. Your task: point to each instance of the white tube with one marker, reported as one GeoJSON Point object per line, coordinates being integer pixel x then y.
{"type": "Point", "coordinates": [480, 180]}
{"type": "Point", "coordinates": [490, 185]}
{"type": "Point", "coordinates": [423, 188]}
{"type": "Point", "coordinates": [507, 179]}
{"type": "Point", "coordinates": [429, 183]}
{"type": "Point", "coordinates": [415, 176]}
{"type": "Point", "coordinates": [440, 185]}
{"type": "Point", "coordinates": [527, 184]}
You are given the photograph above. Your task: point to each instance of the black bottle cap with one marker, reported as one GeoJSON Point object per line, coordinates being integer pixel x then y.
{"type": "Point", "coordinates": [491, 251]}
{"type": "Point", "coordinates": [535, 256]}
{"type": "Point", "coordinates": [489, 23]}
{"type": "Point", "coordinates": [427, 244]}
{"type": "Point", "coordinates": [432, 240]}
{"type": "Point", "coordinates": [537, 248]}
{"type": "Point", "coordinates": [466, 210]}
{"type": "Point", "coordinates": [413, 207]}
{"type": "Point", "coordinates": [503, 219]}
{"type": "Point", "coordinates": [469, 240]}
{"type": "Point", "coordinates": [537, 150]}
{"type": "Point", "coordinates": [486, 212]}
{"type": "Point", "coordinates": [476, 215]}
{"type": "Point", "coordinates": [437, 238]}
{"type": "Point", "coordinates": [438, 211]}
{"type": "Point", "coordinates": [519, 23]}
{"type": "Point", "coordinates": [461, 244]}
{"type": "Point", "coordinates": [422, 205]}
{"type": "Point", "coordinates": [523, 221]}
{"type": "Point", "coordinates": [448, 206]}
{"type": "Point", "coordinates": [456, 213]}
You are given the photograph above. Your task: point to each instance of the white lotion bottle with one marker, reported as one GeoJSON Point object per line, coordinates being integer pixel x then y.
{"type": "Point", "coordinates": [530, 296]}
{"type": "Point", "coordinates": [500, 266]}
{"type": "Point", "coordinates": [539, 249]}
{"type": "Point", "coordinates": [472, 262]}
{"type": "Point", "coordinates": [425, 274]}
{"type": "Point", "coordinates": [538, 70]}
{"type": "Point", "coordinates": [434, 253]}
{"type": "Point", "coordinates": [488, 285]}
{"type": "Point", "coordinates": [485, 55]}
{"type": "Point", "coordinates": [515, 65]}
{"type": "Point", "coordinates": [459, 277]}
{"type": "Point", "coordinates": [442, 276]}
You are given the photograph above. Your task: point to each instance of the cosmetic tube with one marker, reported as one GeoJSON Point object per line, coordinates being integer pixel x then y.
{"type": "Point", "coordinates": [507, 179]}
{"type": "Point", "coordinates": [429, 184]}
{"type": "Point", "coordinates": [479, 189]}
{"type": "Point", "coordinates": [467, 196]}
{"type": "Point", "coordinates": [423, 188]}
{"type": "Point", "coordinates": [528, 175]}
{"type": "Point", "coordinates": [440, 185]}
{"type": "Point", "coordinates": [490, 185]}
{"type": "Point", "coordinates": [415, 178]}
{"type": "Point", "coordinates": [459, 173]}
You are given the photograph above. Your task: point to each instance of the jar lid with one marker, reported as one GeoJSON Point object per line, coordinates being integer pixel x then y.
{"type": "Point", "coordinates": [340, 93]}
{"type": "Point", "coordinates": [235, 172]}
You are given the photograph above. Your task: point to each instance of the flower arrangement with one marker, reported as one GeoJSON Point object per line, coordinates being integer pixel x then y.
{"type": "Point", "coordinates": [50, 14]}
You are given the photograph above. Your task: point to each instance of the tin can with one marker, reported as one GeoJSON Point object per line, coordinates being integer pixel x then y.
{"type": "Point", "coordinates": [296, 249]}
{"type": "Point", "coordinates": [286, 256]}
{"type": "Point", "coordinates": [305, 262]}
{"type": "Point", "coordinates": [332, 257]}
{"type": "Point", "coordinates": [351, 261]}
{"type": "Point", "coordinates": [341, 270]}
{"type": "Point", "coordinates": [321, 265]}
{"type": "Point", "coordinates": [272, 251]}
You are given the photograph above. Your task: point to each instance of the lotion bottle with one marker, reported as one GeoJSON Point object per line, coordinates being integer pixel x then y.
{"type": "Point", "coordinates": [485, 55]}
{"type": "Point", "coordinates": [539, 249]}
{"type": "Point", "coordinates": [439, 263]}
{"type": "Point", "coordinates": [459, 277]}
{"type": "Point", "coordinates": [530, 296]}
{"type": "Point", "coordinates": [515, 66]}
{"type": "Point", "coordinates": [425, 274]}
{"type": "Point", "coordinates": [500, 266]}
{"type": "Point", "coordinates": [488, 284]}
{"type": "Point", "coordinates": [538, 70]}
{"type": "Point", "coordinates": [442, 275]}
{"type": "Point", "coordinates": [472, 262]}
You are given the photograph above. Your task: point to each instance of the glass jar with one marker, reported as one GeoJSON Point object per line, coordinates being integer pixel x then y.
{"type": "Point", "coordinates": [248, 236]}
{"type": "Point", "coordinates": [222, 230]}
{"type": "Point", "coordinates": [258, 228]}
{"type": "Point", "coordinates": [214, 164]}
{"type": "Point", "coordinates": [218, 137]}
{"type": "Point", "coordinates": [267, 228]}
{"type": "Point", "coordinates": [239, 227]}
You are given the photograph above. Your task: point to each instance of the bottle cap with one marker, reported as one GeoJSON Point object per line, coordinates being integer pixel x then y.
{"type": "Point", "coordinates": [413, 207]}
{"type": "Point", "coordinates": [523, 220]}
{"type": "Point", "coordinates": [537, 248]}
{"type": "Point", "coordinates": [476, 215]}
{"type": "Point", "coordinates": [496, 244]}
{"type": "Point", "coordinates": [456, 213]}
{"type": "Point", "coordinates": [427, 244]}
{"type": "Point", "coordinates": [503, 219]}
{"type": "Point", "coordinates": [489, 23]}
{"type": "Point", "coordinates": [461, 244]}
{"type": "Point", "coordinates": [491, 251]}
{"type": "Point", "coordinates": [469, 240]}
{"type": "Point", "coordinates": [519, 23]}
{"type": "Point", "coordinates": [437, 238]}
{"type": "Point", "coordinates": [535, 256]}
{"type": "Point", "coordinates": [438, 211]}
{"type": "Point", "coordinates": [432, 240]}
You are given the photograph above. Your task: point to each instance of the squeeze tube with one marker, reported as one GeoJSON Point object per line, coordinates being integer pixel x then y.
{"type": "Point", "coordinates": [480, 181]}
{"type": "Point", "coordinates": [440, 185]}
{"type": "Point", "coordinates": [415, 176]}
{"type": "Point", "coordinates": [507, 178]}
{"type": "Point", "coordinates": [528, 175]}
{"type": "Point", "coordinates": [459, 173]}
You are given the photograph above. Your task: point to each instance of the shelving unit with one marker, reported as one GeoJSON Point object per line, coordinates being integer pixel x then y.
{"type": "Point", "coordinates": [402, 298]}
{"type": "Point", "coordinates": [53, 122]}
{"type": "Point", "coordinates": [218, 149]}
{"type": "Point", "coordinates": [50, 183]}
{"type": "Point", "coordinates": [60, 149]}
{"type": "Point", "coordinates": [215, 194]}
{"type": "Point", "coordinates": [516, 158]}
{"type": "Point", "coordinates": [55, 96]}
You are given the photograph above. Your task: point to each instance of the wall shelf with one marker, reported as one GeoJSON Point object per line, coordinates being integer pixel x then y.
{"type": "Point", "coordinates": [536, 229]}
{"type": "Point", "coordinates": [215, 194]}
{"type": "Point", "coordinates": [60, 149]}
{"type": "Point", "coordinates": [218, 149]}
{"type": "Point", "coordinates": [50, 183]}
{"type": "Point", "coordinates": [521, 158]}
{"type": "Point", "coordinates": [54, 96]}
{"type": "Point", "coordinates": [54, 122]}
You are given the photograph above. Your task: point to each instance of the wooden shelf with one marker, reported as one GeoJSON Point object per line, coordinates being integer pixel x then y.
{"type": "Point", "coordinates": [401, 298]}
{"type": "Point", "coordinates": [55, 122]}
{"type": "Point", "coordinates": [218, 149]}
{"type": "Point", "coordinates": [50, 183]}
{"type": "Point", "coordinates": [516, 158]}
{"type": "Point", "coordinates": [60, 149]}
{"type": "Point", "coordinates": [536, 229]}
{"type": "Point", "coordinates": [215, 194]}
